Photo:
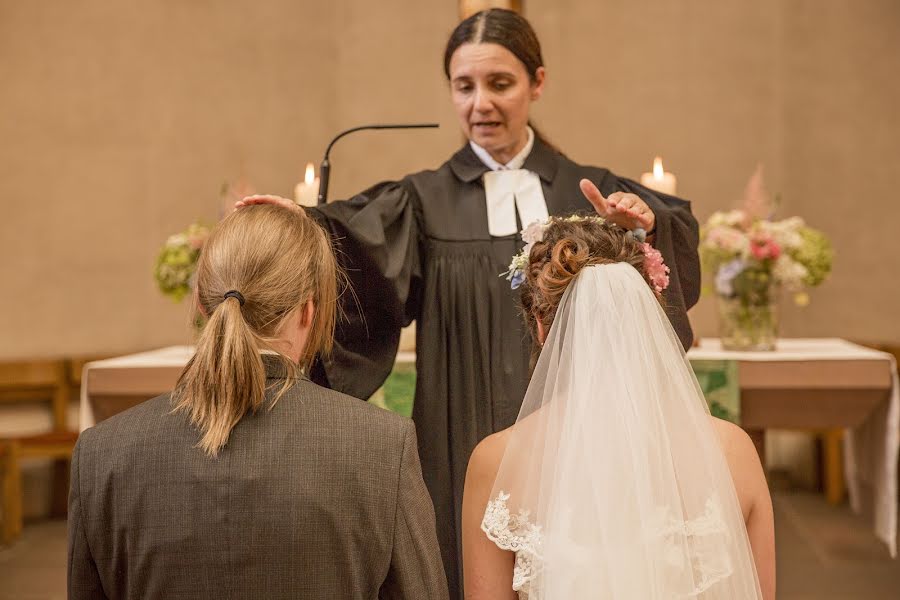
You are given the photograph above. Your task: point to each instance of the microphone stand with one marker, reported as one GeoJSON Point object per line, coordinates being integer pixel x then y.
{"type": "Point", "coordinates": [325, 169]}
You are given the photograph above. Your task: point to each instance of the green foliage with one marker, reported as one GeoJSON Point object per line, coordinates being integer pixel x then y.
{"type": "Point", "coordinates": [177, 261]}
{"type": "Point", "coordinates": [174, 269]}
{"type": "Point", "coordinates": [816, 254]}
{"type": "Point", "coordinates": [400, 389]}
{"type": "Point", "coordinates": [753, 285]}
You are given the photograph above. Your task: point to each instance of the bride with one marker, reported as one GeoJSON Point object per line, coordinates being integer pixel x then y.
{"type": "Point", "coordinates": [615, 481]}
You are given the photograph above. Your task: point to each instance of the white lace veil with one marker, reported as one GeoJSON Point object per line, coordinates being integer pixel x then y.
{"type": "Point", "coordinates": [613, 484]}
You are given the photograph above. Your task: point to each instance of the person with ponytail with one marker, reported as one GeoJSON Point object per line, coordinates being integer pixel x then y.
{"type": "Point", "coordinates": [615, 481]}
{"type": "Point", "coordinates": [429, 248]}
{"type": "Point", "coordinates": [249, 480]}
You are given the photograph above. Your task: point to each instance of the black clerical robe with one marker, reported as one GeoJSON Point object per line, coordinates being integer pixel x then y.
{"type": "Point", "coordinates": [419, 250]}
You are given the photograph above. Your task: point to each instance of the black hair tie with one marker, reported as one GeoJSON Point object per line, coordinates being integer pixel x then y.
{"type": "Point", "coordinates": [235, 294]}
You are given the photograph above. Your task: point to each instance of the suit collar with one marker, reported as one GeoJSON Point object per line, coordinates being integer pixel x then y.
{"type": "Point", "coordinates": [467, 167]}
{"type": "Point", "coordinates": [275, 368]}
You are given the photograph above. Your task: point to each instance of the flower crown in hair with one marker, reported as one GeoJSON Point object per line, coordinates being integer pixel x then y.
{"type": "Point", "coordinates": [656, 269]}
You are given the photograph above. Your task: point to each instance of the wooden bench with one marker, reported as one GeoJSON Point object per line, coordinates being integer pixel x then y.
{"type": "Point", "coordinates": [28, 382]}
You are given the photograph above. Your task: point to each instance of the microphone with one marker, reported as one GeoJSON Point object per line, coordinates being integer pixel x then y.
{"type": "Point", "coordinates": [325, 169]}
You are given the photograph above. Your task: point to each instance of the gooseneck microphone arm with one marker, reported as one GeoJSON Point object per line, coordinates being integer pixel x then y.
{"type": "Point", "coordinates": [325, 169]}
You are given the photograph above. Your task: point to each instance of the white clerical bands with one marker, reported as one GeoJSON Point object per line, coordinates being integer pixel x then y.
{"type": "Point", "coordinates": [510, 191]}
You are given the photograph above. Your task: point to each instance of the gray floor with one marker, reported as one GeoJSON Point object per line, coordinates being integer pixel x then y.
{"type": "Point", "coordinates": [34, 568]}
{"type": "Point", "coordinates": [827, 553]}
{"type": "Point", "coordinates": [824, 553]}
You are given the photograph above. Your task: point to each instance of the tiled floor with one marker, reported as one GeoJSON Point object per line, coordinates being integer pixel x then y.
{"type": "Point", "coordinates": [824, 553]}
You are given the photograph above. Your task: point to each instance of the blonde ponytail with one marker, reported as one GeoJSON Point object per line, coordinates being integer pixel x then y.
{"type": "Point", "coordinates": [259, 265]}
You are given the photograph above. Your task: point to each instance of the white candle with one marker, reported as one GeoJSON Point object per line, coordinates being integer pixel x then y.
{"type": "Point", "coordinates": [306, 193]}
{"type": "Point", "coordinates": [659, 180]}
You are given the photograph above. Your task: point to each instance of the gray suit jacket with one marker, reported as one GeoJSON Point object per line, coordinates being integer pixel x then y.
{"type": "Point", "coordinates": [320, 497]}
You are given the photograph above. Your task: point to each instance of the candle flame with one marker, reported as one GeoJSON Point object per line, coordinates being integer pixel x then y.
{"type": "Point", "coordinates": [658, 168]}
{"type": "Point", "coordinates": [310, 174]}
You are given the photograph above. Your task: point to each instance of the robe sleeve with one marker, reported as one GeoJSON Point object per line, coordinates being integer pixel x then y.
{"type": "Point", "coordinates": [375, 236]}
{"type": "Point", "coordinates": [677, 237]}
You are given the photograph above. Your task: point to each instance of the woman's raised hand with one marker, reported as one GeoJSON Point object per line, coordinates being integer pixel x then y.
{"type": "Point", "coordinates": [625, 210]}
{"type": "Point", "coordinates": [266, 199]}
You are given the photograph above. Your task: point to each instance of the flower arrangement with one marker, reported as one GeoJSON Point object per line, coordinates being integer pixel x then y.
{"type": "Point", "coordinates": [653, 260]}
{"type": "Point", "coordinates": [750, 257]}
{"type": "Point", "coordinates": [747, 255]}
{"type": "Point", "coordinates": [177, 261]}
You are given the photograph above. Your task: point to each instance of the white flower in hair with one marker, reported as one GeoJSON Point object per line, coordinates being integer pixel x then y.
{"type": "Point", "coordinates": [531, 235]}
{"type": "Point", "coordinates": [534, 232]}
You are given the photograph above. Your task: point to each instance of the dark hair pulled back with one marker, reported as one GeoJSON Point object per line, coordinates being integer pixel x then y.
{"type": "Point", "coordinates": [498, 26]}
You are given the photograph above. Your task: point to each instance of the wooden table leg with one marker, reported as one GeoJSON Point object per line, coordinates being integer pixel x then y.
{"type": "Point", "coordinates": [834, 465]}
{"type": "Point", "coordinates": [12, 493]}
{"type": "Point", "coordinates": [60, 491]}
{"type": "Point", "coordinates": [6, 491]}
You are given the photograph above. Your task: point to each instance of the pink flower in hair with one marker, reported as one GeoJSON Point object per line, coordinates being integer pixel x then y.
{"type": "Point", "coordinates": [655, 267]}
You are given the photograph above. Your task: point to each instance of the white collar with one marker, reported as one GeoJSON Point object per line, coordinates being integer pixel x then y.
{"type": "Point", "coordinates": [517, 161]}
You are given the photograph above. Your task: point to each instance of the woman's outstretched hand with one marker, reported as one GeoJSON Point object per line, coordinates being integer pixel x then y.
{"type": "Point", "coordinates": [266, 199]}
{"type": "Point", "coordinates": [625, 210]}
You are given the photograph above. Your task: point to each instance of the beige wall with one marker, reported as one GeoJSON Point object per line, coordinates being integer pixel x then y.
{"type": "Point", "coordinates": [121, 122]}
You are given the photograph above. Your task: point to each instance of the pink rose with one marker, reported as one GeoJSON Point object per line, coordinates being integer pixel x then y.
{"type": "Point", "coordinates": [763, 247]}
{"type": "Point", "coordinates": [655, 267]}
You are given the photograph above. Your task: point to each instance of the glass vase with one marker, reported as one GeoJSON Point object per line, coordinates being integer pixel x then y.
{"type": "Point", "coordinates": [749, 325]}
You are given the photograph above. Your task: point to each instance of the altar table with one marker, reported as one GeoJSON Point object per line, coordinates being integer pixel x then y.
{"type": "Point", "coordinates": [845, 391]}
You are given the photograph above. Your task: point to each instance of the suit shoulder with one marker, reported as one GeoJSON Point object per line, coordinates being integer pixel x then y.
{"type": "Point", "coordinates": [138, 417]}
{"type": "Point", "coordinates": [349, 408]}
{"type": "Point", "coordinates": [129, 433]}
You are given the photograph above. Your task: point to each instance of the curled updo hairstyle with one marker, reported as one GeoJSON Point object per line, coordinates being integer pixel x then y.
{"type": "Point", "coordinates": [568, 246]}
{"type": "Point", "coordinates": [277, 259]}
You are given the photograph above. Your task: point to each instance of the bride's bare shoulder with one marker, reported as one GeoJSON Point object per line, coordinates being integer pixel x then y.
{"type": "Point", "coordinates": [735, 442]}
{"type": "Point", "coordinates": [743, 462]}
{"type": "Point", "coordinates": [486, 457]}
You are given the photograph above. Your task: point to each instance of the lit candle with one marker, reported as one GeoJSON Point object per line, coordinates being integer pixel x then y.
{"type": "Point", "coordinates": [306, 193]}
{"type": "Point", "coordinates": [659, 180]}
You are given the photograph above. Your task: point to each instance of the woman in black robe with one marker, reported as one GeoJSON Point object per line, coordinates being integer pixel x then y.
{"type": "Point", "coordinates": [421, 249]}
